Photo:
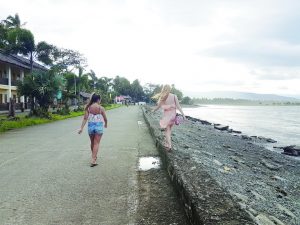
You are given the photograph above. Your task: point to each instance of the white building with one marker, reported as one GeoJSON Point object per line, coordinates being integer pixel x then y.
{"type": "Point", "coordinates": [12, 69]}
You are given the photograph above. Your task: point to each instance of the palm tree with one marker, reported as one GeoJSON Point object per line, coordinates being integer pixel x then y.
{"type": "Point", "coordinates": [92, 74]}
{"type": "Point", "coordinates": [13, 22]}
{"type": "Point", "coordinates": [43, 86]}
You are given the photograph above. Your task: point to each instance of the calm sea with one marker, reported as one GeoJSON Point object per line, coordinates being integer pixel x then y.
{"type": "Point", "coordinates": [281, 123]}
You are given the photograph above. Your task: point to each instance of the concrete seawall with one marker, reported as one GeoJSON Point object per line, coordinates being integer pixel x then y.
{"type": "Point", "coordinates": [204, 200]}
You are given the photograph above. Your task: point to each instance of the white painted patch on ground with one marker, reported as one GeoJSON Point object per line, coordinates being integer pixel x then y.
{"type": "Point", "coordinates": [147, 163]}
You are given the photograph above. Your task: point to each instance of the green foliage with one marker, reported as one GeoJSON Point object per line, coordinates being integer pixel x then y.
{"type": "Point", "coordinates": [64, 111]}
{"type": "Point", "coordinates": [13, 22]}
{"type": "Point", "coordinates": [150, 90]}
{"type": "Point", "coordinates": [3, 36]}
{"type": "Point", "coordinates": [6, 125]}
{"type": "Point", "coordinates": [46, 53]}
{"type": "Point", "coordinates": [122, 86]}
{"type": "Point", "coordinates": [177, 92]}
{"type": "Point", "coordinates": [43, 86]}
{"type": "Point", "coordinates": [187, 101]}
{"type": "Point", "coordinates": [66, 60]}
{"type": "Point", "coordinates": [137, 92]}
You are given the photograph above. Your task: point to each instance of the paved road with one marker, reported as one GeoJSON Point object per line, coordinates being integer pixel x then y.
{"type": "Point", "coordinates": [45, 176]}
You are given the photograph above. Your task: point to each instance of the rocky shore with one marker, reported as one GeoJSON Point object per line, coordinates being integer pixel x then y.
{"type": "Point", "coordinates": [212, 166]}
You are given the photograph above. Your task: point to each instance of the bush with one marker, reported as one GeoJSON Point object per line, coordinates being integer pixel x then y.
{"type": "Point", "coordinates": [41, 113]}
{"type": "Point", "coordinates": [6, 125]}
{"type": "Point", "coordinates": [63, 111]}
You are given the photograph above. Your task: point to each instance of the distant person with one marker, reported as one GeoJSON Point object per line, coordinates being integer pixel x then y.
{"type": "Point", "coordinates": [169, 103]}
{"type": "Point", "coordinates": [96, 117]}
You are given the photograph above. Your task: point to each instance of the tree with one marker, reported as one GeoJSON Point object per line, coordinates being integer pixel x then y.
{"type": "Point", "coordinates": [187, 101]}
{"type": "Point", "coordinates": [13, 22]}
{"type": "Point", "coordinates": [177, 92]}
{"type": "Point", "coordinates": [122, 86]}
{"type": "Point", "coordinates": [43, 86]}
{"type": "Point", "coordinates": [137, 91]}
{"type": "Point", "coordinates": [94, 78]}
{"type": "Point", "coordinates": [67, 60]}
{"type": "Point", "coordinates": [3, 36]}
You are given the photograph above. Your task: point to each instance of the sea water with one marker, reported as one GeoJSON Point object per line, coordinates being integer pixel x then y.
{"type": "Point", "coordinates": [281, 123]}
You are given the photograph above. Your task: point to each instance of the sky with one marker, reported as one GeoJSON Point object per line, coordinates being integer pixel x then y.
{"type": "Point", "coordinates": [200, 46]}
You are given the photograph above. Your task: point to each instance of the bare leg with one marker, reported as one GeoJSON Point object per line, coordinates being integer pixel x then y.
{"type": "Point", "coordinates": [168, 136]}
{"type": "Point", "coordinates": [92, 141]}
{"type": "Point", "coordinates": [97, 140]}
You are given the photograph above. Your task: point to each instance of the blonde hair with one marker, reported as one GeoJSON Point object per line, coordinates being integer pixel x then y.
{"type": "Point", "coordinates": [165, 91]}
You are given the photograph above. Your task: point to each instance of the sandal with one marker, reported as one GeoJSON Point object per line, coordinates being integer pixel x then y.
{"type": "Point", "coordinates": [93, 164]}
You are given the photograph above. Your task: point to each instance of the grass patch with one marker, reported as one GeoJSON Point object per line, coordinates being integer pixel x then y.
{"type": "Point", "coordinates": [23, 121]}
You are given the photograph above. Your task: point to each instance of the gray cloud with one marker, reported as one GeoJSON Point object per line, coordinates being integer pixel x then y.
{"type": "Point", "coordinates": [258, 53]}
{"type": "Point", "coordinates": [269, 74]}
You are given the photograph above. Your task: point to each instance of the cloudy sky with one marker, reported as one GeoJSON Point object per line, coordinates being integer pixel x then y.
{"type": "Point", "coordinates": [226, 45]}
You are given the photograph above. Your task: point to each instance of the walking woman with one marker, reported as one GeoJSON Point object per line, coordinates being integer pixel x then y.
{"type": "Point", "coordinates": [169, 103]}
{"type": "Point", "coordinates": [96, 117]}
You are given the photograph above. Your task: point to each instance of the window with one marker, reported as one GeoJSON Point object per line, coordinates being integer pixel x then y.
{"type": "Point", "coordinates": [1, 98]}
{"type": "Point", "coordinates": [5, 98]}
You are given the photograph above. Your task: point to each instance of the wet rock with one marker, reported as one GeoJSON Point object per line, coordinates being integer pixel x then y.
{"type": "Point", "coordinates": [262, 219]}
{"type": "Point", "coordinates": [237, 159]}
{"type": "Point", "coordinates": [269, 165]}
{"type": "Point", "coordinates": [292, 150]}
{"type": "Point", "coordinates": [281, 191]}
{"type": "Point", "coordinates": [253, 211]}
{"type": "Point", "coordinates": [207, 153]}
{"type": "Point", "coordinates": [285, 210]}
{"type": "Point", "coordinates": [239, 196]}
{"type": "Point", "coordinates": [276, 221]}
{"type": "Point", "coordinates": [221, 127]}
{"type": "Point", "coordinates": [258, 196]}
{"type": "Point", "coordinates": [278, 178]}
{"type": "Point", "coordinates": [205, 122]}
{"type": "Point", "coordinates": [270, 140]}
{"type": "Point", "coordinates": [236, 131]}
{"type": "Point", "coordinates": [226, 146]}
{"type": "Point", "coordinates": [217, 162]}
{"type": "Point", "coordinates": [246, 137]}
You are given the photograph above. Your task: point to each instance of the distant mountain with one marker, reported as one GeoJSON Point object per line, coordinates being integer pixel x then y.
{"type": "Point", "coordinates": [242, 95]}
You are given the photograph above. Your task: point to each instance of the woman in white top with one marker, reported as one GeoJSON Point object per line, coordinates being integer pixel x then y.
{"type": "Point", "coordinates": [96, 117]}
{"type": "Point", "coordinates": [169, 103]}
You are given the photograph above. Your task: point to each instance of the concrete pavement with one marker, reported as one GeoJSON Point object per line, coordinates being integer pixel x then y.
{"type": "Point", "coordinates": [45, 176]}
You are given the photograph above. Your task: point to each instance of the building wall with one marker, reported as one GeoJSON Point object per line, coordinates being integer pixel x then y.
{"type": "Point", "coordinates": [6, 90]}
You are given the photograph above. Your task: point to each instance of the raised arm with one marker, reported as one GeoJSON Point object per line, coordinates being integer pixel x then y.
{"type": "Point", "coordinates": [179, 107]}
{"type": "Point", "coordinates": [85, 117]}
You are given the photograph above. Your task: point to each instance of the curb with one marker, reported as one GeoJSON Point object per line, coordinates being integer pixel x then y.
{"type": "Point", "coordinates": [204, 201]}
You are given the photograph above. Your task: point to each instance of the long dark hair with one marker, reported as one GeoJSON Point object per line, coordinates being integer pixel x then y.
{"type": "Point", "coordinates": [94, 98]}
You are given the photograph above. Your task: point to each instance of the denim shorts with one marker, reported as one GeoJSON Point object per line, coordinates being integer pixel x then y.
{"type": "Point", "coordinates": [95, 128]}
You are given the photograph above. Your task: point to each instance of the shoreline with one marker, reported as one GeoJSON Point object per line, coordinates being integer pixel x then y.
{"type": "Point", "coordinates": [292, 150]}
{"type": "Point", "coordinates": [263, 183]}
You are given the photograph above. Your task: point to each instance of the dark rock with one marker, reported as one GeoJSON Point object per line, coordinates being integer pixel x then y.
{"type": "Point", "coordinates": [226, 146]}
{"type": "Point", "coordinates": [270, 166]}
{"type": "Point", "coordinates": [270, 140]}
{"type": "Point", "coordinates": [281, 191]}
{"type": "Point", "coordinates": [292, 150]}
{"type": "Point", "coordinates": [205, 122]}
{"type": "Point", "coordinates": [221, 127]}
{"type": "Point", "coordinates": [245, 137]}
{"type": "Point", "coordinates": [236, 131]}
